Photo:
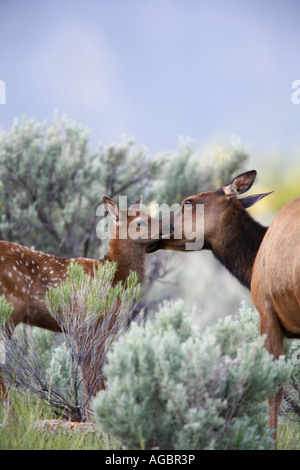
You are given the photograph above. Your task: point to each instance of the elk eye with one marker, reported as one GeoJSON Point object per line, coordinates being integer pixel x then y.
{"type": "Point", "coordinates": [189, 201]}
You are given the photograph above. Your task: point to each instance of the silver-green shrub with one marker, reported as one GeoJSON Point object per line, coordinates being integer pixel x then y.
{"type": "Point", "coordinates": [52, 183]}
{"type": "Point", "coordinates": [91, 312]}
{"type": "Point", "coordinates": [59, 371]}
{"type": "Point", "coordinates": [6, 310]}
{"type": "Point", "coordinates": [291, 399]}
{"type": "Point", "coordinates": [172, 387]}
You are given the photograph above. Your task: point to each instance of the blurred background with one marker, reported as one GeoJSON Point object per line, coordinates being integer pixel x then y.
{"type": "Point", "coordinates": [162, 71]}
{"type": "Point", "coordinates": [156, 69]}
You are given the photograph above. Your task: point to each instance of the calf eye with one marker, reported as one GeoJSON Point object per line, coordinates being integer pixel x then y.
{"type": "Point", "coordinates": [189, 201]}
{"type": "Point", "coordinates": [141, 224]}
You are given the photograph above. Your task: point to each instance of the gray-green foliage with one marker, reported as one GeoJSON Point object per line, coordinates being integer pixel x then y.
{"type": "Point", "coordinates": [51, 183]}
{"type": "Point", "coordinates": [249, 319]}
{"type": "Point", "coordinates": [176, 388]}
{"type": "Point", "coordinates": [188, 172]}
{"type": "Point", "coordinates": [6, 310]}
{"type": "Point", "coordinates": [91, 297]}
{"type": "Point", "coordinates": [291, 402]}
{"type": "Point", "coordinates": [48, 184]}
{"type": "Point", "coordinates": [46, 343]}
{"type": "Point", "coordinates": [59, 370]}
{"type": "Point", "coordinates": [91, 312]}
{"type": "Point", "coordinates": [127, 169]}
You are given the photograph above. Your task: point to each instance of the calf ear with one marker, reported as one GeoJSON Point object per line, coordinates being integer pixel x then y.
{"type": "Point", "coordinates": [111, 207]}
{"type": "Point", "coordinates": [249, 201]}
{"type": "Point", "coordinates": [241, 184]}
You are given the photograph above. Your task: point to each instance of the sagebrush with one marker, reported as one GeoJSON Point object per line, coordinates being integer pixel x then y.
{"type": "Point", "coordinates": [172, 387]}
{"type": "Point", "coordinates": [91, 313]}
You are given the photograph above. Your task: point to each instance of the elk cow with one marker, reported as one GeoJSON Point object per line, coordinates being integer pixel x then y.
{"type": "Point", "coordinates": [265, 260]}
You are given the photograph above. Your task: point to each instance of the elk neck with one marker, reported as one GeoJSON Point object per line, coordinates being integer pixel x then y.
{"type": "Point", "coordinates": [129, 255]}
{"type": "Point", "coordinates": [237, 242]}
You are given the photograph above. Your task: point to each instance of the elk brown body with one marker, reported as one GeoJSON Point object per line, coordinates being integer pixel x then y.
{"type": "Point", "coordinates": [264, 259]}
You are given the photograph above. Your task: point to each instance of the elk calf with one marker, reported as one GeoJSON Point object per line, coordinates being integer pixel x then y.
{"type": "Point", "coordinates": [26, 275]}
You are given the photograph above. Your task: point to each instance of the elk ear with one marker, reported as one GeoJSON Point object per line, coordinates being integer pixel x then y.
{"type": "Point", "coordinates": [249, 201]}
{"type": "Point", "coordinates": [111, 207]}
{"type": "Point", "coordinates": [241, 184]}
{"type": "Point", "coordinates": [137, 203]}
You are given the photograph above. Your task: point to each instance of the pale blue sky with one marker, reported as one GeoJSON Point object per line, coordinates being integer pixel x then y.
{"type": "Point", "coordinates": [156, 69]}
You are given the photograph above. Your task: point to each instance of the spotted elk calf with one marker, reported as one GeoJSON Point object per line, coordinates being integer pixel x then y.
{"type": "Point", "coordinates": [26, 275]}
{"type": "Point", "coordinates": [265, 260]}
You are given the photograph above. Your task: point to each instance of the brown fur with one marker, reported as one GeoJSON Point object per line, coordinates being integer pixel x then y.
{"type": "Point", "coordinates": [26, 275]}
{"type": "Point", "coordinates": [275, 286]}
{"type": "Point", "coordinates": [266, 260]}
